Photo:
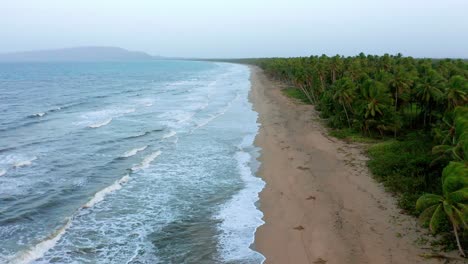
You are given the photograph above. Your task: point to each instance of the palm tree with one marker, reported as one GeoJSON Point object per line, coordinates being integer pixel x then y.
{"type": "Point", "coordinates": [336, 66]}
{"type": "Point", "coordinates": [457, 92]}
{"type": "Point", "coordinates": [451, 205]}
{"type": "Point", "coordinates": [344, 93]}
{"type": "Point", "coordinates": [400, 83]}
{"type": "Point", "coordinates": [428, 91]}
{"type": "Point", "coordinates": [376, 97]}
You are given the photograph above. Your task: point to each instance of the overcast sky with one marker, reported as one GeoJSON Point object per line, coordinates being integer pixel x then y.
{"type": "Point", "coordinates": [240, 28]}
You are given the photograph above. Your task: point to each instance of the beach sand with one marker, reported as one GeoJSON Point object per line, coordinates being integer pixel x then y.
{"type": "Point", "coordinates": [320, 203]}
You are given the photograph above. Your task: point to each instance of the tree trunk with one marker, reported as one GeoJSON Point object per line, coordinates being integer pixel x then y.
{"type": "Point", "coordinates": [322, 82]}
{"type": "Point", "coordinates": [347, 117]}
{"type": "Point", "coordinates": [304, 90]}
{"type": "Point", "coordinates": [396, 110]}
{"type": "Point", "coordinates": [458, 240]}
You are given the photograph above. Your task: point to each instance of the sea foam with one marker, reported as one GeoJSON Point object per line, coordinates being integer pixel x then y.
{"type": "Point", "coordinates": [240, 217]}
{"type": "Point", "coordinates": [99, 196]}
{"type": "Point", "coordinates": [146, 161]}
{"type": "Point", "coordinates": [41, 114]}
{"type": "Point", "coordinates": [133, 152]}
{"type": "Point", "coordinates": [100, 124]}
{"type": "Point", "coordinates": [38, 251]}
{"type": "Point", "coordinates": [24, 163]}
{"type": "Point", "coordinates": [170, 134]}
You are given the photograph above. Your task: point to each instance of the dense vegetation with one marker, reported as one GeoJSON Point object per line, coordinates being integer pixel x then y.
{"type": "Point", "coordinates": [418, 106]}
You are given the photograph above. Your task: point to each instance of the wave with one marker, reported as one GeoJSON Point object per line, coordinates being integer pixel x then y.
{"type": "Point", "coordinates": [139, 135]}
{"type": "Point", "coordinates": [241, 217]}
{"type": "Point", "coordinates": [144, 133]}
{"type": "Point", "coordinates": [42, 247]}
{"type": "Point", "coordinates": [26, 124]}
{"type": "Point", "coordinates": [133, 152]}
{"type": "Point", "coordinates": [170, 134]}
{"type": "Point", "coordinates": [213, 117]}
{"type": "Point", "coordinates": [146, 161]}
{"type": "Point", "coordinates": [99, 196]}
{"type": "Point", "coordinates": [55, 109]}
{"type": "Point", "coordinates": [100, 124]}
{"type": "Point", "coordinates": [177, 116]}
{"type": "Point", "coordinates": [208, 120]}
{"type": "Point", "coordinates": [41, 114]}
{"type": "Point", "coordinates": [2, 172]}
{"type": "Point", "coordinates": [38, 251]}
{"type": "Point", "coordinates": [24, 163]}
{"type": "Point", "coordinates": [128, 111]}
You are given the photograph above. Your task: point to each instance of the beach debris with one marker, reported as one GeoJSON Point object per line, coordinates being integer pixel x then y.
{"type": "Point", "coordinates": [311, 198]}
{"type": "Point", "coordinates": [303, 168]}
{"type": "Point", "coordinates": [320, 261]}
{"type": "Point", "coordinates": [300, 228]}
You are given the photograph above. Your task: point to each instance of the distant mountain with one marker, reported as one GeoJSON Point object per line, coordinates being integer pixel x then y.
{"type": "Point", "coordinates": [77, 54]}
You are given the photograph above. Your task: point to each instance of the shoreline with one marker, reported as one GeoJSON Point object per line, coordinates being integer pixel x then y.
{"type": "Point", "coordinates": [320, 203]}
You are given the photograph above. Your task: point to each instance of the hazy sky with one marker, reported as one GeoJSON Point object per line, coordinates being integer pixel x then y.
{"type": "Point", "coordinates": [240, 28]}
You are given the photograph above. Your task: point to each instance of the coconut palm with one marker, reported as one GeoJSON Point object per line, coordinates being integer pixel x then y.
{"type": "Point", "coordinates": [344, 93]}
{"type": "Point", "coordinates": [457, 92]}
{"type": "Point", "coordinates": [429, 92]}
{"type": "Point", "coordinates": [376, 97]}
{"type": "Point", "coordinates": [451, 205]}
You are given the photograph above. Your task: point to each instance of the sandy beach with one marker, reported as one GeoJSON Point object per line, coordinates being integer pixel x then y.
{"type": "Point", "coordinates": [320, 203]}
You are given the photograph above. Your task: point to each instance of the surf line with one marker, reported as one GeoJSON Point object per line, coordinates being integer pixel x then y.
{"type": "Point", "coordinates": [38, 251]}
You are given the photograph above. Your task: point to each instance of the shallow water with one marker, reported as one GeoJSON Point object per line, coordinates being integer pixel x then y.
{"type": "Point", "coordinates": [143, 162]}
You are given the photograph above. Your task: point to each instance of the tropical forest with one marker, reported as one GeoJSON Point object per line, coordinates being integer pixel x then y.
{"type": "Point", "coordinates": [414, 114]}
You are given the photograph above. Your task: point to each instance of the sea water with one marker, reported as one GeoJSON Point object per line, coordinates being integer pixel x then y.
{"type": "Point", "coordinates": [129, 162]}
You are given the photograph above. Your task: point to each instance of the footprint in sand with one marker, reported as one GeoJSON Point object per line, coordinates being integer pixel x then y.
{"type": "Point", "coordinates": [320, 261]}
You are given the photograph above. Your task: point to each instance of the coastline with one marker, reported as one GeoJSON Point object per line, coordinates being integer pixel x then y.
{"type": "Point", "coordinates": [320, 203]}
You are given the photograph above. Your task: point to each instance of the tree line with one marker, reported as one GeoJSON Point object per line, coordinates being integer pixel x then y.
{"type": "Point", "coordinates": [391, 96]}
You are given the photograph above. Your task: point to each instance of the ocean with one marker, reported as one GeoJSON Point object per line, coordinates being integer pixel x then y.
{"type": "Point", "coordinates": [128, 162]}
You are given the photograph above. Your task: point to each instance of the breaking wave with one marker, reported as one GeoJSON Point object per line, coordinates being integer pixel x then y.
{"type": "Point", "coordinates": [133, 152]}
{"type": "Point", "coordinates": [100, 124]}
{"type": "Point", "coordinates": [146, 161]}
{"type": "Point", "coordinates": [24, 163]}
{"type": "Point", "coordinates": [99, 196]}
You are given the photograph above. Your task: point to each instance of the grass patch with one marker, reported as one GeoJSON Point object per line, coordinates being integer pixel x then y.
{"type": "Point", "coordinates": [296, 94]}
{"type": "Point", "coordinates": [404, 167]}
{"type": "Point", "coordinates": [351, 135]}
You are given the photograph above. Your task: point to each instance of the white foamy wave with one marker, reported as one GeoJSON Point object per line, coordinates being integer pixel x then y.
{"type": "Point", "coordinates": [170, 134]}
{"type": "Point", "coordinates": [240, 217]}
{"type": "Point", "coordinates": [146, 161]}
{"type": "Point", "coordinates": [128, 111]}
{"type": "Point", "coordinates": [101, 118]}
{"type": "Point", "coordinates": [99, 196]}
{"type": "Point", "coordinates": [24, 163]}
{"type": "Point", "coordinates": [38, 251]}
{"type": "Point", "coordinates": [176, 118]}
{"type": "Point", "coordinates": [100, 124]}
{"type": "Point", "coordinates": [208, 120]}
{"type": "Point", "coordinates": [133, 152]}
{"type": "Point", "coordinates": [2, 172]}
{"type": "Point", "coordinates": [39, 114]}
{"type": "Point", "coordinates": [213, 117]}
